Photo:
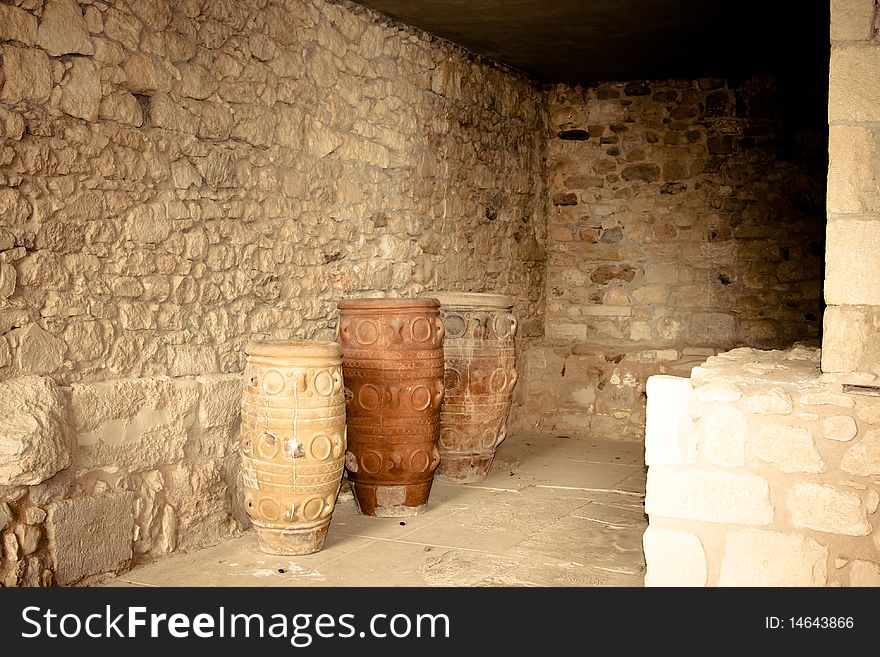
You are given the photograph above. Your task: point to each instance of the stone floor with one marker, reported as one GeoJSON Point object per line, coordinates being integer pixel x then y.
{"type": "Point", "coordinates": [554, 511]}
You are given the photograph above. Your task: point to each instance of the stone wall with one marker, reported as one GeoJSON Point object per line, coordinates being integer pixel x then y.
{"type": "Point", "coordinates": [852, 281]}
{"type": "Point", "coordinates": [178, 178]}
{"type": "Point", "coordinates": [762, 472]}
{"type": "Point", "coordinates": [687, 217]}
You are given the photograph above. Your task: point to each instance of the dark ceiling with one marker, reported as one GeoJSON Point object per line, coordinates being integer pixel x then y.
{"type": "Point", "coordinates": [583, 41]}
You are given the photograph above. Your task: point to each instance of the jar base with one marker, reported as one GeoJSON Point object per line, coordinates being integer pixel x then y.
{"type": "Point", "coordinates": [464, 468]}
{"type": "Point", "coordinates": [391, 501]}
{"type": "Point", "coordinates": [291, 540]}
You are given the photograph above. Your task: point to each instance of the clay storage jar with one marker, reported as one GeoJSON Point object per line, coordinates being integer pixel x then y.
{"type": "Point", "coordinates": [292, 442]}
{"type": "Point", "coordinates": [392, 362]}
{"type": "Point", "coordinates": [480, 377]}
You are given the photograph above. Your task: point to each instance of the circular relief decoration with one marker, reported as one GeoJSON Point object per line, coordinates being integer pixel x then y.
{"type": "Point", "coordinates": [312, 508]}
{"type": "Point", "coordinates": [503, 326]}
{"type": "Point", "coordinates": [420, 461]}
{"type": "Point", "coordinates": [246, 446]}
{"type": "Point", "coordinates": [420, 398]}
{"type": "Point", "coordinates": [321, 447]}
{"type": "Point", "coordinates": [366, 332]}
{"type": "Point", "coordinates": [273, 382]}
{"type": "Point", "coordinates": [269, 509]}
{"type": "Point", "coordinates": [498, 381]}
{"type": "Point", "coordinates": [324, 383]}
{"type": "Point", "coordinates": [455, 326]}
{"type": "Point", "coordinates": [452, 380]}
{"type": "Point", "coordinates": [421, 329]}
{"type": "Point", "coordinates": [369, 397]}
{"type": "Point", "coordinates": [267, 447]}
{"type": "Point", "coordinates": [449, 439]}
{"type": "Point", "coordinates": [487, 440]}
{"type": "Point", "coordinates": [371, 462]}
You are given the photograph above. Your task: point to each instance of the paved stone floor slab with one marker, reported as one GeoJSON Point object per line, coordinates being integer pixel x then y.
{"type": "Point", "coordinates": [554, 511]}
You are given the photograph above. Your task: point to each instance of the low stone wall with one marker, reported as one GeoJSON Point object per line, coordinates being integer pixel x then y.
{"type": "Point", "coordinates": [762, 471]}
{"type": "Point", "coordinates": [96, 477]}
{"type": "Point", "coordinates": [574, 387]}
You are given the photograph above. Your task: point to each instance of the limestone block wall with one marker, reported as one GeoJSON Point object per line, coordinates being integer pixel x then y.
{"type": "Point", "coordinates": [180, 177]}
{"type": "Point", "coordinates": [852, 281]}
{"type": "Point", "coordinates": [687, 217]}
{"type": "Point", "coordinates": [762, 471]}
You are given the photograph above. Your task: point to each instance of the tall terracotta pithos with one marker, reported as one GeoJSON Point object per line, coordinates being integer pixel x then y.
{"type": "Point", "coordinates": [480, 376]}
{"type": "Point", "coordinates": [392, 362]}
{"type": "Point", "coordinates": [292, 442]}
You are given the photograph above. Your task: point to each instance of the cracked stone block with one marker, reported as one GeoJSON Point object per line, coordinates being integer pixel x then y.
{"type": "Point", "coordinates": [34, 444]}
{"type": "Point", "coordinates": [90, 535]}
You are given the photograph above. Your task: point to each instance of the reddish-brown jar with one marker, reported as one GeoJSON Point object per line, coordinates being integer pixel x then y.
{"type": "Point", "coordinates": [392, 364]}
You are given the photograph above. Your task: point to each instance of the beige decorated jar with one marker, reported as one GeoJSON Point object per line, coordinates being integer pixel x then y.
{"type": "Point", "coordinates": [293, 442]}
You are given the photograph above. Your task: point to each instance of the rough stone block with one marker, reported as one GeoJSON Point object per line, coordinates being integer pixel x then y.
{"type": "Point", "coordinates": [852, 261]}
{"type": "Point", "coordinates": [773, 402]}
{"type": "Point", "coordinates": [849, 342]}
{"type": "Point", "coordinates": [81, 90]}
{"type": "Point", "coordinates": [709, 495]}
{"type": "Point", "coordinates": [791, 449]}
{"type": "Point", "coordinates": [711, 327]}
{"type": "Point", "coordinates": [839, 427]}
{"type": "Point", "coordinates": [146, 75]}
{"type": "Point", "coordinates": [34, 443]}
{"type": "Point", "coordinates": [17, 25]}
{"type": "Point", "coordinates": [864, 573]}
{"type": "Point", "coordinates": [723, 436]}
{"type": "Point", "coordinates": [852, 20]}
{"type": "Point", "coordinates": [219, 399]}
{"type": "Point", "coordinates": [863, 458]}
{"type": "Point", "coordinates": [756, 557]}
{"type": "Point", "coordinates": [828, 509]}
{"type": "Point", "coordinates": [826, 399]}
{"type": "Point", "coordinates": [7, 280]}
{"type": "Point", "coordinates": [194, 361]}
{"type": "Point", "coordinates": [40, 352]}
{"type": "Point", "coordinates": [651, 294]}
{"type": "Point", "coordinates": [566, 331]}
{"type": "Point", "coordinates": [90, 535]}
{"type": "Point", "coordinates": [667, 439]}
{"type": "Point", "coordinates": [10, 547]}
{"type": "Point", "coordinates": [136, 424]}
{"type": "Point", "coordinates": [5, 515]}
{"type": "Point", "coordinates": [674, 558]}
{"type": "Point", "coordinates": [854, 84]}
{"type": "Point", "coordinates": [717, 391]}
{"type": "Point", "coordinates": [28, 538]}
{"type": "Point", "coordinates": [27, 75]}
{"type": "Point", "coordinates": [63, 29]}
{"type": "Point", "coordinates": [34, 515]}
{"type": "Point", "coordinates": [122, 107]}
{"type": "Point", "coordinates": [852, 180]}
{"type": "Point", "coordinates": [200, 494]}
